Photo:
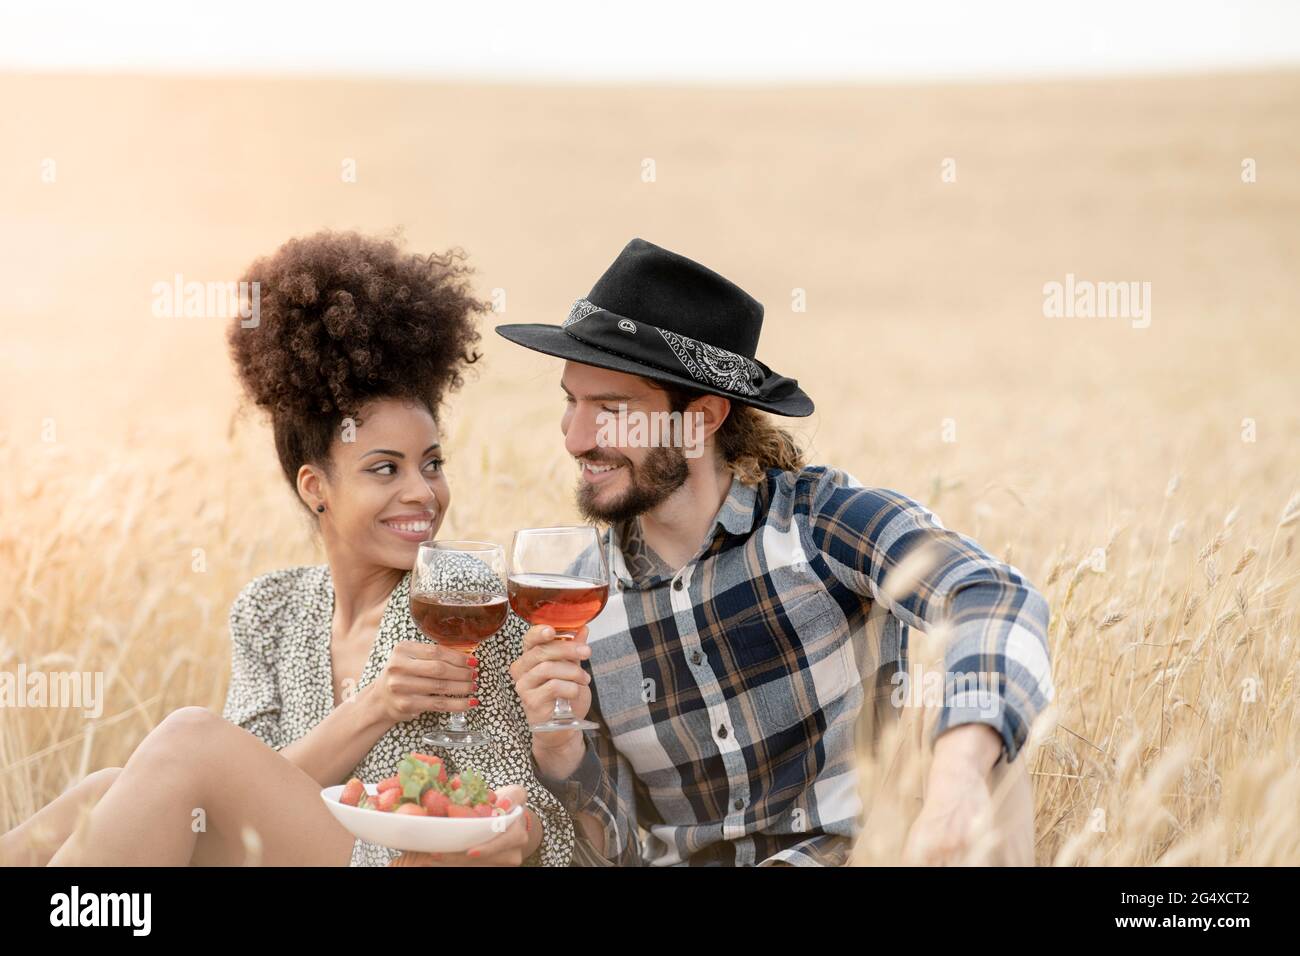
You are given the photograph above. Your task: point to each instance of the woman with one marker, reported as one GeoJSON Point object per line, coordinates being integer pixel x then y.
{"type": "Point", "coordinates": [354, 347]}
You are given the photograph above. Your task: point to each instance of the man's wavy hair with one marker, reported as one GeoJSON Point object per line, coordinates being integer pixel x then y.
{"type": "Point", "coordinates": [748, 441]}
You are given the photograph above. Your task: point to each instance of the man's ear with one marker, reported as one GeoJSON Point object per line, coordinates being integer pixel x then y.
{"type": "Point", "coordinates": [712, 411]}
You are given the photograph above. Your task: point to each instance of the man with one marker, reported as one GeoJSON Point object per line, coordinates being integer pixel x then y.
{"type": "Point", "coordinates": [752, 616]}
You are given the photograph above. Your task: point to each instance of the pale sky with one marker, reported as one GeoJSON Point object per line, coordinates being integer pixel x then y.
{"type": "Point", "coordinates": [687, 41]}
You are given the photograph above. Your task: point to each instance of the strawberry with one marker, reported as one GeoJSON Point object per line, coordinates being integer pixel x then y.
{"type": "Point", "coordinates": [352, 792]}
{"type": "Point", "coordinates": [435, 762]}
{"type": "Point", "coordinates": [483, 810]}
{"type": "Point", "coordinates": [456, 810]}
{"type": "Point", "coordinates": [389, 783]}
{"type": "Point", "coordinates": [455, 782]}
{"type": "Point", "coordinates": [491, 795]}
{"type": "Point", "coordinates": [412, 810]}
{"type": "Point", "coordinates": [503, 804]}
{"type": "Point", "coordinates": [388, 798]}
{"type": "Point", "coordinates": [436, 803]}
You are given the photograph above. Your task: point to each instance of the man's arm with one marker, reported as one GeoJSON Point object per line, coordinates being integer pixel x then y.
{"type": "Point", "coordinates": [589, 777]}
{"type": "Point", "coordinates": [594, 783]}
{"type": "Point", "coordinates": [886, 546]}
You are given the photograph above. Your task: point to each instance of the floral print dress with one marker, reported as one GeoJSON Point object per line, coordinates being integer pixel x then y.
{"type": "Point", "coordinates": [282, 685]}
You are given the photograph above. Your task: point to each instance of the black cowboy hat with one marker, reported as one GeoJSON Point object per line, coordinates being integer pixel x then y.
{"type": "Point", "coordinates": [662, 316]}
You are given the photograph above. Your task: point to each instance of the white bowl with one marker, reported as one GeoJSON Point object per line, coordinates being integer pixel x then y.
{"type": "Point", "coordinates": [400, 831]}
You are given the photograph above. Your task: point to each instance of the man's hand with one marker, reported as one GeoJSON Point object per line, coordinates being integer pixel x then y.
{"type": "Point", "coordinates": [958, 806]}
{"type": "Point", "coordinates": [551, 667]}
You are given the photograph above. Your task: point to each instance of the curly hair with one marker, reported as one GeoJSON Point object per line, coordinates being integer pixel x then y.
{"type": "Point", "coordinates": [748, 441]}
{"type": "Point", "coordinates": [344, 319]}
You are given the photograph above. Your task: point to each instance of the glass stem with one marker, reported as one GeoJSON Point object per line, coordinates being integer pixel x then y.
{"type": "Point", "coordinates": [563, 709]}
{"type": "Point", "coordinates": [457, 723]}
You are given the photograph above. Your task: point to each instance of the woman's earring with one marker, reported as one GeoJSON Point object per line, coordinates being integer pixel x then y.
{"type": "Point", "coordinates": [320, 509]}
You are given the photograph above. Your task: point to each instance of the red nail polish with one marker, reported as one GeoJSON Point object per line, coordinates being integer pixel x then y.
{"type": "Point", "coordinates": [472, 661]}
{"type": "Point", "coordinates": [528, 824]}
{"type": "Point", "coordinates": [473, 701]}
{"type": "Point", "coordinates": [475, 685]}
{"type": "Point", "coordinates": [473, 853]}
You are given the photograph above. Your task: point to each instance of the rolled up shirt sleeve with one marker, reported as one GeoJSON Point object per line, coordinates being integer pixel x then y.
{"type": "Point", "coordinates": [824, 849]}
{"type": "Point", "coordinates": [602, 787]}
{"type": "Point", "coordinates": [888, 547]}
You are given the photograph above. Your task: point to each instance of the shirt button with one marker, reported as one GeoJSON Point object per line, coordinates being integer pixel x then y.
{"type": "Point", "coordinates": [677, 584]}
{"type": "Point", "coordinates": [696, 657]}
{"type": "Point", "coordinates": [619, 585]}
{"type": "Point", "coordinates": [722, 731]}
{"type": "Point", "coordinates": [739, 804]}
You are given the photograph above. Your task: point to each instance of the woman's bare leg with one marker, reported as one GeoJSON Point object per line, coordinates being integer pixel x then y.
{"type": "Point", "coordinates": [35, 840]}
{"type": "Point", "coordinates": [192, 791]}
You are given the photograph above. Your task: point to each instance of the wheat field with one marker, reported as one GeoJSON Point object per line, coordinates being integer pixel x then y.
{"type": "Point", "coordinates": [1146, 479]}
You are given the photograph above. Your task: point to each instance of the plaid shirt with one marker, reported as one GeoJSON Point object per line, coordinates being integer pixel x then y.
{"type": "Point", "coordinates": [728, 693]}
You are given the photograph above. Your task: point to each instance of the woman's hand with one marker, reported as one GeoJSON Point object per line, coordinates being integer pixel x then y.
{"type": "Point", "coordinates": [508, 848]}
{"type": "Point", "coordinates": [423, 677]}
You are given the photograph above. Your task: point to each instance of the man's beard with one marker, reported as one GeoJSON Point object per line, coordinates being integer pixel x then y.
{"type": "Point", "coordinates": [662, 472]}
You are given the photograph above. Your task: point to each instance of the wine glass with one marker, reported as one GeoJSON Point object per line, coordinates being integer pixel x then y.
{"type": "Point", "coordinates": [458, 600]}
{"type": "Point", "coordinates": [558, 577]}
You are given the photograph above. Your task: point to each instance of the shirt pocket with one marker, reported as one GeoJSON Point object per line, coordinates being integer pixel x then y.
{"type": "Point", "coordinates": [794, 658]}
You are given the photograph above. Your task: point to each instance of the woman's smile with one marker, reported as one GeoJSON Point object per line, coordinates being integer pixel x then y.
{"type": "Point", "coordinates": [409, 527]}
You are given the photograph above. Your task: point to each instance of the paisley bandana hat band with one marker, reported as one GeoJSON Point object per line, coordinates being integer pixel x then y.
{"type": "Point", "coordinates": [666, 351]}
